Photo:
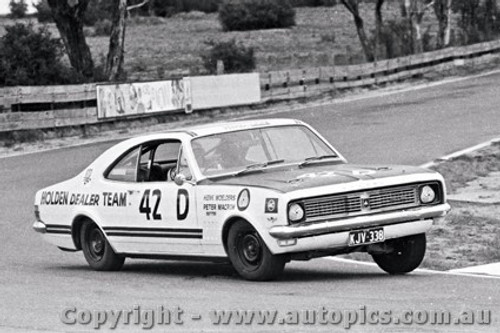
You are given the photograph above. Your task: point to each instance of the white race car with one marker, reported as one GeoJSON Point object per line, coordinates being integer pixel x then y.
{"type": "Point", "coordinates": [259, 193]}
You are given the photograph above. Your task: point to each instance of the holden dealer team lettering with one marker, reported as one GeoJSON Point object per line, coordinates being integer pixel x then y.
{"type": "Point", "coordinates": [66, 198]}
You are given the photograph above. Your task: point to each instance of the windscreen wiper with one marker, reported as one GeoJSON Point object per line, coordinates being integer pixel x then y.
{"type": "Point", "coordinates": [257, 166]}
{"type": "Point", "coordinates": [316, 159]}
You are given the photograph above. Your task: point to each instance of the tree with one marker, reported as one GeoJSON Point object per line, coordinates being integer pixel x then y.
{"type": "Point", "coordinates": [18, 8]}
{"type": "Point", "coordinates": [115, 60]}
{"type": "Point", "coordinates": [415, 10]}
{"type": "Point", "coordinates": [30, 57]}
{"type": "Point", "coordinates": [442, 9]}
{"type": "Point", "coordinates": [353, 7]}
{"type": "Point", "coordinates": [379, 23]}
{"type": "Point", "coordinates": [68, 15]}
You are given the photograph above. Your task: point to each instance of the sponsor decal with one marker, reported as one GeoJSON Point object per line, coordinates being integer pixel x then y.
{"type": "Point", "coordinates": [271, 206]}
{"type": "Point", "coordinates": [363, 172]}
{"type": "Point", "coordinates": [218, 202]}
{"type": "Point", "coordinates": [66, 198]}
{"type": "Point", "coordinates": [318, 174]}
{"type": "Point", "coordinates": [87, 178]}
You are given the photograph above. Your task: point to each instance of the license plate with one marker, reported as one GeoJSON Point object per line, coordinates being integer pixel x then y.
{"type": "Point", "coordinates": [367, 236]}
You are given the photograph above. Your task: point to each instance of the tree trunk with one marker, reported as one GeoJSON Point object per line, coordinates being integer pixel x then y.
{"type": "Point", "coordinates": [442, 9]}
{"type": "Point", "coordinates": [353, 7]}
{"type": "Point", "coordinates": [416, 10]}
{"type": "Point", "coordinates": [379, 23]}
{"type": "Point", "coordinates": [68, 16]}
{"type": "Point", "coordinates": [114, 62]}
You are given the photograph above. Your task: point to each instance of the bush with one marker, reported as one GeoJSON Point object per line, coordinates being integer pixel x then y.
{"type": "Point", "coordinates": [167, 8]}
{"type": "Point", "coordinates": [29, 57]}
{"type": "Point", "coordinates": [18, 8]}
{"type": "Point", "coordinates": [256, 14]}
{"type": "Point", "coordinates": [237, 58]}
{"type": "Point", "coordinates": [43, 12]}
{"type": "Point", "coordinates": [103, 28]}
{"type": "Point", "coordinates": [98, 10]}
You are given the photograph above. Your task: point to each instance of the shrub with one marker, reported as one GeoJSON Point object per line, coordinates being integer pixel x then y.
{"type": "Point", "coordinates": [103, 28]}
{"type": "Point", "coordinates": [237, 58]}
{"type": "Point", "coordinates": [98, 10]}
{"type": "Point", "coordinates": [18, 8]}
{"type": "Point", "coordinates": [43, 12]}
{"type": "Point", "coordinates": [29, 57]}
{"type": "Point", "coordinates": [167, 8]}
{"type": "Point", "coordinates": [256, 14]}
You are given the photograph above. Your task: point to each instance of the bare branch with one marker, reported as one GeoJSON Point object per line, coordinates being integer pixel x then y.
{"type": "Point", "coordinates": [138, 5]}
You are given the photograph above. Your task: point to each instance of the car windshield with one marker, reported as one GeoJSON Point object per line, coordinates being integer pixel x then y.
{"type": "Point", "coordinates": [256, 149]}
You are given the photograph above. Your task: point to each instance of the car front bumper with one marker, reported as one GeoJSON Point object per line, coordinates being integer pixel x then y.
{"type": "Point", "coordinates": [334, 234]}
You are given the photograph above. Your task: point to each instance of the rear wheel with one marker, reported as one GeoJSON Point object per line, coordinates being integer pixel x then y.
{"type": "Point", "coordinates": [407, 255]}
{"type": "Point", "coordinates": [97, 251]}
{"type": "Point", "coordinates": [250, 256]}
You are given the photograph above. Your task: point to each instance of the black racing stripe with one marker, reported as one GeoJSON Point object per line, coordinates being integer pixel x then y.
{"type": "Point", "coordinates": [152, 229]}
{"type": "Point", "coordinates": [157, 235]}
{"type": "Point", "coordinates": [55, 231]}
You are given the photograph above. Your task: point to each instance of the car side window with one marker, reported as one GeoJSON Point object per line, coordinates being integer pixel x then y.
{"type": "Point", "coordinates": [126, 168]}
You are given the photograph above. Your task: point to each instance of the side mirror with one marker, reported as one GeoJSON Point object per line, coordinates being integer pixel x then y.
{"type": "Point", "coordinates": [180, 179]}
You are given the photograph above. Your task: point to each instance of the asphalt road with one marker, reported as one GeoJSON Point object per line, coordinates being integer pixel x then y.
{"type": "Point", "coordinates": [38, 282]}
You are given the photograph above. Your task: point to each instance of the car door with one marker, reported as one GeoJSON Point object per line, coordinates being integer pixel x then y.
{"type": "Point", "coordinates": [161, 218]}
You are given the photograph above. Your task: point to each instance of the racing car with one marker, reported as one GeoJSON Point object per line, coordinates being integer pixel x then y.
{"type": "Point", "coordinates": [256, 193]}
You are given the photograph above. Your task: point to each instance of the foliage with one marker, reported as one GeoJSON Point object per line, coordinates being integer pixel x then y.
{"type": "Point", "coordinates": [98, 10]}
{"type": "Point", "coordinates": [394, 40]}
{"type": "Point", "coordinates": [256, 14]}
{"type": "Point", "coordinates": [313, 3]}
{"type": "Point", "coordinates": [29, 57]}
{"type": "Point", "coordinates": [237, 58]}
{"type": "Point", "coordinates": [18, 8]}
{"type": "Point", "coordinates": [478, 20]}
{"type": "Point", "coordinates": [43, 12]}
{"type": "Point", "coordinates": [103, 28]}
{"type": "Point", "coordinates": [166, 8]}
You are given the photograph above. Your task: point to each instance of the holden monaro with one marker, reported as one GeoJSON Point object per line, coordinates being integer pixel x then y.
{"type": "Point", "coordinates": [259, 193]}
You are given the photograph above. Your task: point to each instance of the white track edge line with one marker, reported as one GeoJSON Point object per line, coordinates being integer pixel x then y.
{"type": "Point", "coordinates": [420, 270]}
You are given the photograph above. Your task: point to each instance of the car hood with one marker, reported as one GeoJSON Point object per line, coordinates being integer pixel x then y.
{"type": "Point", "coordinates": [294, 178]}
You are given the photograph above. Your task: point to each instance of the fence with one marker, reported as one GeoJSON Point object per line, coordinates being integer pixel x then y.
{"type": "Point", "coordinates": [75, 105]}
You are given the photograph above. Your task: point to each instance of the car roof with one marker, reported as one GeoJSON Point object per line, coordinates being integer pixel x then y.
{"type": "Point", "coordinates": [194, 131]}
{"type": "Point", "coordinates": [222, 127]}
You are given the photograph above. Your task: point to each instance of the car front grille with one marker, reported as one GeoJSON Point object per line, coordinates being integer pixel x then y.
{"type": "Point", "coordinates": [357, 203]}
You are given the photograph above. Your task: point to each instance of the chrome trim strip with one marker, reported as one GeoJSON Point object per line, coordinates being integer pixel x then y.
{"type": "Point", "coordinates": [305, 230]}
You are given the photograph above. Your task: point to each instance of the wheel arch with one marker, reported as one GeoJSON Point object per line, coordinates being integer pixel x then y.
{"type": "Point", "coordinates": [76, 228]}
{"type": "Point", "coordinates": [227, 225]}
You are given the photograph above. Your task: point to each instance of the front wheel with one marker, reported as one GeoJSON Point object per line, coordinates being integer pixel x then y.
{"type": "Point", "coordinates": [250, 256]}
{"type": "Point", "coordinates": [407, 255]}
{"type": "Point", "coordinates": [97, 251]}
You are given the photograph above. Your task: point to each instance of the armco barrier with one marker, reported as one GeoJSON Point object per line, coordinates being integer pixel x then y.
{"type": "Point", "coordinates": [302, 83]}
{"type": "Point", "coordinates": [75, 105]}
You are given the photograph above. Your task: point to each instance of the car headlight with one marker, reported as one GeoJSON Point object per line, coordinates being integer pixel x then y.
{"type": "Point", "coordinates": [295, 212]}
{"type": "Point", "coordinates": [243, 199]}
{"type": "Point", "coordinates": [427, 194]}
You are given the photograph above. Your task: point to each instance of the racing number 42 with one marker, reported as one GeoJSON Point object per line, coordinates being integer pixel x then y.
{"type": "Point", "coordinates": [145, 207]}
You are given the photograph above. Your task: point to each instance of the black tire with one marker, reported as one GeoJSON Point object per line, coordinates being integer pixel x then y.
{"type": "Point", "coordinates": [97, 251]}
{"type": "Point", "coordinates": [408, 255]}
{"type": "Point", "coordinates": [250, 256]}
